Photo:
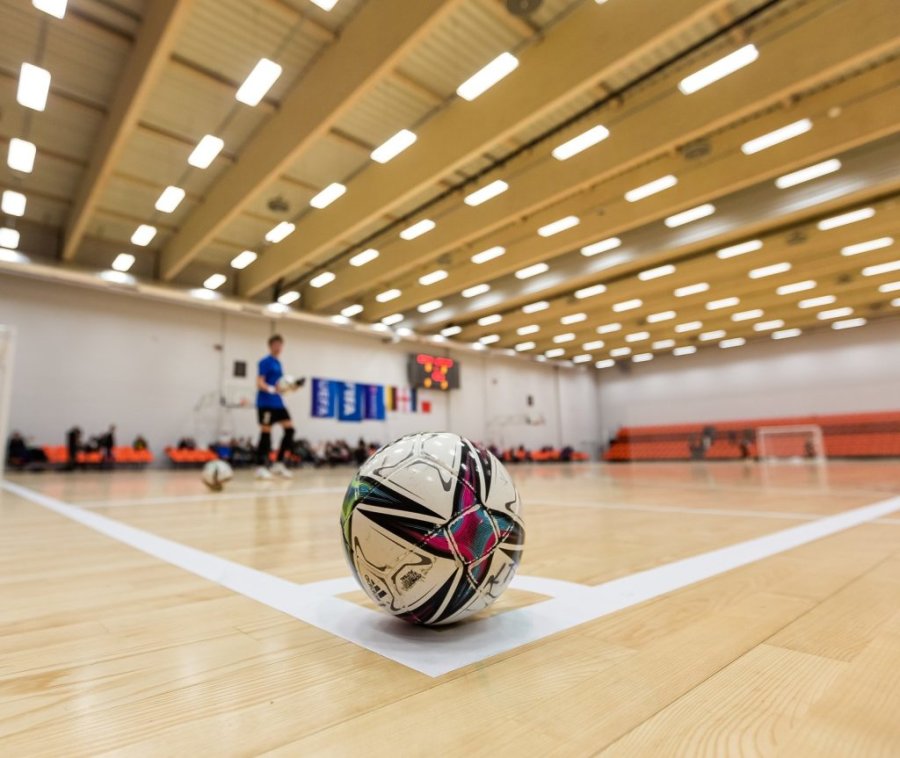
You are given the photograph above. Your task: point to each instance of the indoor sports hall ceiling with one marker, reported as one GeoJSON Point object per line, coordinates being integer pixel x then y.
{"type": "Point", "coordinates": [657, 177]}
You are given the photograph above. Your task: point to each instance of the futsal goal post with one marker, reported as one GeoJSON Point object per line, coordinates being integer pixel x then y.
{"type": "Point", "coordinates": [7, 349]}
{"type": "Point", "coordinates": [790, 443]}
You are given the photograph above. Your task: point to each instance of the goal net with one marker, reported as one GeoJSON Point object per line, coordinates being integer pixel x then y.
{"type": "Point", "coordinates": [790, 443]}
{"type": "Point", "coordinates": [7, 345]}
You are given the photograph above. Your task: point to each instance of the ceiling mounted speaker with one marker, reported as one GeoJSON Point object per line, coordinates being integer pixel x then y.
{"type": "Point", "coordinates": [523, 7]}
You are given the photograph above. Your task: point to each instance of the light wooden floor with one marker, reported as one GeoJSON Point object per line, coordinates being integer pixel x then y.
{"type": "Point", "coordinates": [105, 649]}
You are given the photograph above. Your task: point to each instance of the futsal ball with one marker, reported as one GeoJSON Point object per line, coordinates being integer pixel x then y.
{"type": "Point", "coordinates": [432, 528]}
{"type": "Point", "coordinates": [216, 474]}
{"type": "Point", "coordinates": [286, 384]}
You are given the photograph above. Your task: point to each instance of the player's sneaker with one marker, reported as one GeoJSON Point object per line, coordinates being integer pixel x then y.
{"type": "Point", "coordinates": [263, 473]}
{"type": "Point", "coordinates": [279, 469]}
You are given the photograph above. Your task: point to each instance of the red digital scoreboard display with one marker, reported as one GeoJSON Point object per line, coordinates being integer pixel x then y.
{"type": "Point", "coordinates": [433, 372]}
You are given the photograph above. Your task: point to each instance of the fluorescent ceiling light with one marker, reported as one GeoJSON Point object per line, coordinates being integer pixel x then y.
{"type": "Point", "coordinates": [277, 309]}
{"type": "Point", "coordinates": [418, 229]}
{"type": "Point", "coordinates": [123, 262]}
{"type": "Point", "coordinates": [689, 326]}
{"type": "Point", "coordinates": [242, 260]}
{"type": "Point", "coordinates": [692, 289]}
{"type": "Point", "coordinates": [328, 195]}
{"type": "Point", "coordinates": [775, 268]}
{"type": "Point", "coordinates": [478, 289]}
{"type": "Point", "coordinates": [627, 305]}
{"type": "Point", "coordinates": [143, 235]}
{"type": "Point", "coordinates": [280, 232]}
{"type": "Point", "coordinates": [637, 337]}
{"type": "Point", "coordinates": [685, 350]}
{"type": "Point", "coordinates": [494, 318]}
{"type": "Point", "coordinates": [433, 278]}
{"type": "Point", "coordinates": [170, 199]}
{"type": "Point", "coordinates": [477, 84]}
{"type": "Point", "coordinates": [21, 155]}
{"type": "Point", "coordinates": [834, 313]}
{"type": "Point", "coordinates": [203, 294]}
{"type": "Point", "coordinates": [656, 273]}
{"type": "Point", "coordinates": [206, 151]}
{"type": "Point", "coordinates": [850, 323]}
{"type": "Point", "coordinates": [808, 174]}
{"type": "Point", "coordinates": [888, 287]}
{"type": "Point", "coordinates": [573, 318]}
{"type": "Point", "coordinates": [663, 344]}
{"type": "Point", "coordinates": [488, 192]}
{"type": "Point", "coordinates": [390, 149]}
{"type": "Point", "coordinates": [34, 86]}
{"type": "Point", "coordinates": [55, 8]}
{"type": "Point", "coordinates": [655, 318]}
{"type": "Point", "coordinates": [530, 329]}
{"type": "Point", "coordinates": [387, 295]}
{"type": "Point", "coordinates": [866, 247]}
{"type": "Point", "coordinates": [583, 358]}
{"type": "Point", "coordinates": [725, 302]}
{"type": "Point", "coordinates": [881, 268]}
{"type": "Point", "coordinates": [777, 137]}
{"type": "Point", "coordinates": [790, 289]}
{"type": "Point", "coordinates": [605, 363]}
{"type": "Point", "coordinates": [523, 346]}
{"type": "Point", "coordinates": [733, 342]}
{"type": "Point", "coordinates": [541, 305]}
{"type": "Point", "coordinates": [608, 328]}
{"type": "Point", "coordinates": [394, 318]}
{"type": "Point", "coordinates": [488, 255]}
{"type": "Point", "coordinates": [378, 327]}
{"type": "Point", "coordinates": [642, 357]}
{"type": "Point", "coordinates": [289, 298]}
{"type": "Point", "coordinates": [580, 143]}
{"type": "Point", "coordinates": [339, 319]}
{"type": "Point", "coordinates": [595, 345]}
{"type": "Point", "coordinates": [530, 271]}
{"type": "Point", "coordinates": [560, 339]}
{"type": "Point", "coordinates": [651, 188]}
{"type": "Point", "coordinates": [13, 203]}
{"type": "Point", "coordinates": [601, 247]}
{"type": "Point", "coordinates": [845, 218]}
{"type": "Point", "coordinates": [366, 256]}
{"type": "Point", "coordinates": [215, 281]}
{"type": "Point", "coordinates": [325, 5]}
{"type": "Point", "coordinates": [489, 339]}
{"type": "Point", "coordinates": [815, 302]}
{"type": "Point", "coordinates": [451, 331]}
{"type": "Point", "coordinates": [764, 326]}
{"type": "Point", "coordinates": [747, 315]}
{"type": "Point", "coordinates": [261, 78]}
{"type": "Point", "coordinates": [692, 214]}
{"type": "Point", "coordinates": [13, 256]}
{"type": "Point", "coordinates": [716, 334]}
{"type": "Point", "coordinates": [9, 238]}
{"type": "Point", "coordinates": [117, 277]}
{"type": "Point", "coordinates": [744, 247]}
{"type": "Point", "coordinates": [785, 334]}
{"type": "Point", "coordinates": [556, 352]}
{"type": "Point", "coordinates": [721, 68]}
{"type": "Point", "coordinates": [431, 305]}
{"type": "Point", "coordinates": [351, 310]}
{"type": "Point", "coordinates": [596, 289]}
{"type": "Point", "coordinates": [620, 352]}
{"type": "Point", "coordinates": [560, 225]}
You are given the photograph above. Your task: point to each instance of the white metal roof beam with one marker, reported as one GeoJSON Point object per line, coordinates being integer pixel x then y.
{"type": "Point", "coordinates": [152, 48]}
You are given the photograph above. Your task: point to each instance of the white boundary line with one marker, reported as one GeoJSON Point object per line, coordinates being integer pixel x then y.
{"type": "Point", "coordinates": [439, 651]}
{"type": "Point", "coordinates": [209, 497]}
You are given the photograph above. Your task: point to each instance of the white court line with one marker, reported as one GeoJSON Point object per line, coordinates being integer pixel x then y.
{"type": "Point", "coordinates": [208, 497]}
{"type": "Point", "coordinates": [439, 651]}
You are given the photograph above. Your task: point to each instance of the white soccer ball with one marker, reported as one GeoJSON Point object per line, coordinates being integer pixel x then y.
{"type": "Point", "coordinates": [432, 528]}
{"type": "Point", "coordinates": [216, 474]}
{"type": "Point", "coordinates": [286, 384]}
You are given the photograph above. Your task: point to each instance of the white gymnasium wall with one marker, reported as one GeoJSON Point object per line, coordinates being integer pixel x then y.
{"type": "Point", "coordinates": [825, 372]}
{"type": "Point", "coordinates": [91, 358]}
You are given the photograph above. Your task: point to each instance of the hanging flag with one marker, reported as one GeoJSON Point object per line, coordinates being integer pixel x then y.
{"type": "Point", "coordinates": [391, 398]}
{"type": "Point", "coordinates": [373, 406]}
{"type": "Point", "coordinates": [324, 398]}
{"type": "Point", "coordinates": [426, 406]}
{"type": "Point", "coordinates": [352, 398]}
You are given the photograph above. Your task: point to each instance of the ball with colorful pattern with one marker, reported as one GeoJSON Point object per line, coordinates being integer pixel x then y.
{"type": "Point", "coordinates": [432, 528]}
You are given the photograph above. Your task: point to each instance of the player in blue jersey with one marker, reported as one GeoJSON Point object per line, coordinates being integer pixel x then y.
{"type": "Point", "coordinates": [271, 410]}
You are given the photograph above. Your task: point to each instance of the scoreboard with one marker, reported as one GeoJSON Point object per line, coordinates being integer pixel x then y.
{"type": "Point", "coordinates": [433, 372]}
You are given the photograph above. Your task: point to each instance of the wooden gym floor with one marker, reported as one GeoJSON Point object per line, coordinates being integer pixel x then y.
{"type": "Point", "coordinates": [104, 648]}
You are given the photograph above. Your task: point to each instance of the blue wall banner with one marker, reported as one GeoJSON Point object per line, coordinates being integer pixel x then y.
{"type": "Point", "coordinates": [352, 398]}
{"type": "Point", "coordinates": [374, 408]}
{"type": "Point", "coordinates": [324, 398]}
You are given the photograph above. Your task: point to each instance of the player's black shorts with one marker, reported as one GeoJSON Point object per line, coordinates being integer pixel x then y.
{"type": "Point", "coordinates": [269, 416]}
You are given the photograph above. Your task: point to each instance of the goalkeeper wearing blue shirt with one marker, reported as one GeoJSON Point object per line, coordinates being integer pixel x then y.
{"type": "Point", "coordinates": [271, 410]}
